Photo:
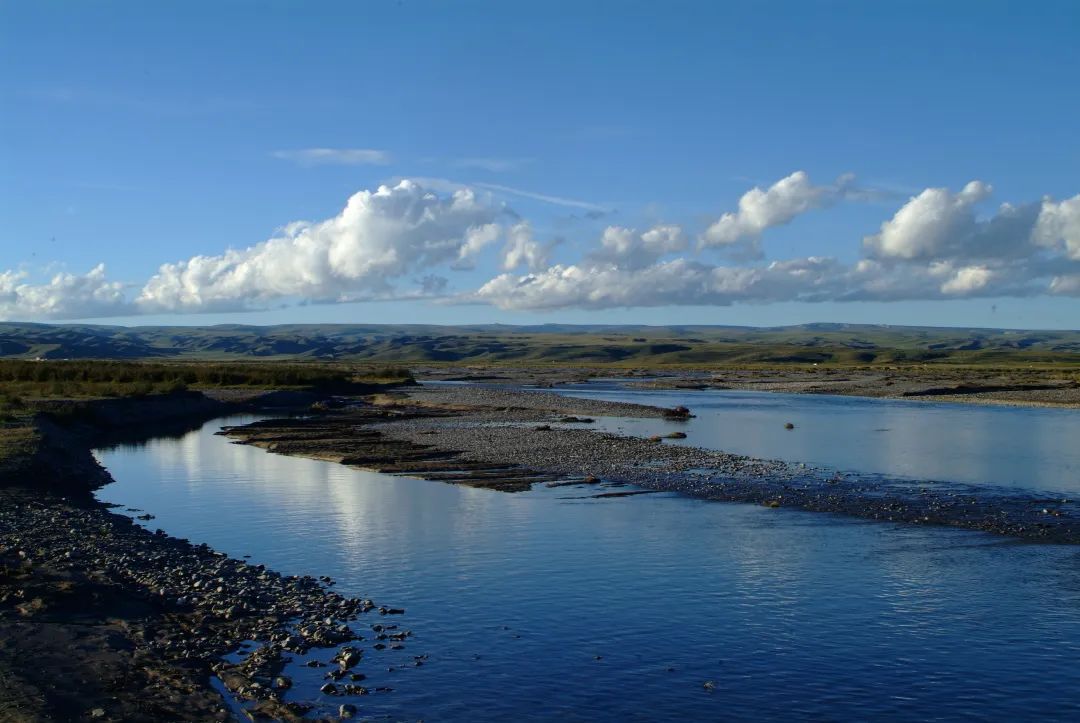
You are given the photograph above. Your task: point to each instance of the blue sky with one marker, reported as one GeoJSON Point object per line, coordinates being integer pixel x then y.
{"type": "Point", "coordinates": [139, 134]}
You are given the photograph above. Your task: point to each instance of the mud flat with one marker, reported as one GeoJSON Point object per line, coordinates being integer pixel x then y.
{"type": "Point", "coordinates": [525, 437]}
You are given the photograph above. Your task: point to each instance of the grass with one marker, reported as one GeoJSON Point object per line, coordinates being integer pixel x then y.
{"type": "Point", "coordinates": [17, 443]}
{"type": "Point", "coordinates": [25, 380]}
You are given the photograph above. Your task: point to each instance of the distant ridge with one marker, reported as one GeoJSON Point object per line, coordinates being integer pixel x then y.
{"type": "Point", "coordinates": [568, 343]}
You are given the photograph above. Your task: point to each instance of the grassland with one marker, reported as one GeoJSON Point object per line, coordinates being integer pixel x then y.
{"type": "Point", "coordinates": [20, 380]}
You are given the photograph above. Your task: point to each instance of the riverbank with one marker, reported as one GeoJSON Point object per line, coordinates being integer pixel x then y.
{"type": "Point", "coordinates": [101, 619]}
{"type": "Point", "coordinates": [446, 432]}
{"type": "Point", "coordinates": [1016, 386]}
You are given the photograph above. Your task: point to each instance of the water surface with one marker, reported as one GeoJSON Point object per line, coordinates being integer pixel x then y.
{"type": "Point", "coordinates": [1030, 448]}
{"type": "Point", "coordinates": [546, 605]}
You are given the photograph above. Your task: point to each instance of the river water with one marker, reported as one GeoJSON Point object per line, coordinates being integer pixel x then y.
{"type": "Point", "coordinates": [549, 604]}
{"type": "Point", "coordinates": [1026, 448]}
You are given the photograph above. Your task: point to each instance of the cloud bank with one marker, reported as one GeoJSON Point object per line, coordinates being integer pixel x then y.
{"type": "Point", "coordinates": [933, 247]}
{"type": "Point", "coordinates": [394, 242]}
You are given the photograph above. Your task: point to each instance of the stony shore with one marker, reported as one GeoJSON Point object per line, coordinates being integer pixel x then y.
{"type": "Point", "coordinates": [102, 619]}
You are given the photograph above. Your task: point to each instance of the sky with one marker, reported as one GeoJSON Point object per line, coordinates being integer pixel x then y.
{"type": "Point", "coordinates": [756, 163]}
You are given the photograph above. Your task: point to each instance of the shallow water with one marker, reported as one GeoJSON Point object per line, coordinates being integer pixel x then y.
{"type": "Point", "coordinates": [790, 614]}
{"type": "Point", "coordinates": [1029, 448]}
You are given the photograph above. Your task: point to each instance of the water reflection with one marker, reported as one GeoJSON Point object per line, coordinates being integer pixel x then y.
{"type": "Point", "coordinates": [993, 445]}
{"type": "Point", "coordinates": [538, 607]}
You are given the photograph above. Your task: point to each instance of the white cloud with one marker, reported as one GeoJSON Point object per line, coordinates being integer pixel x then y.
{"type": "Point", "coordinates": [476, 239]}
{"type": "Point", "coordinates": [934, 247]}
{"type": "Point", "coordinates": [65, 296]}
{"type": "Point", "coordinates": [930, 224]}
{"type": "Point", "coordinates": [967, 280]}
{"type": "Point", "coordinates": [335, 156]}
{"type": "Point", "coordinates": [627, 248]}
{"type": "Point", "coordinates": [675, 282]}
{"type": "Point", "coordinates": [379, 236]}
{"type": "Point", "coordinates": [1066, 285]}
{"type": "Point", "coordinates": [522, 249]}
{"type": "Point", "coordinates": [763, 209]}
{"type": "Point", "coordinates": [1058, 226]}
{"type": "Point", "coordinates": [391, 243]}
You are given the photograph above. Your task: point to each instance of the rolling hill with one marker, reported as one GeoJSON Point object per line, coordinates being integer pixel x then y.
{"type": "Point", "coordinates": [553, 343]}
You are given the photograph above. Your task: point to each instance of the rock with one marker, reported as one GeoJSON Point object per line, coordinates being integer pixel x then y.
{"type": "Point", "coordinates": [329, 689]}
{"type": "Point", "coordinates": [97, 713]}
{"type": "Point", "coordinates": [789, 425]}
{"type": "Point", "coordinates": [676, 435]}
{"type": "Point", "coordinates": [346, 710]}
{"type": "Point", "coordinates": [348, 657]}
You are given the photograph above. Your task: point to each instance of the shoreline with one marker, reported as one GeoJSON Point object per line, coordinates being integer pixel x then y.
{"type": "Point", "coordinates": [445, 431]}
{"type": "Point", "coordinates": [117, 620]}
{"type": "Point", "coordinates": [1016, 388]}
{"type": "Point", "coordinates": [102, 619]}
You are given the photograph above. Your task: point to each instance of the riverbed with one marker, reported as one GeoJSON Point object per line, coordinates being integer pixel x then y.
{"type": "Point", "coordinates": [554, 604]}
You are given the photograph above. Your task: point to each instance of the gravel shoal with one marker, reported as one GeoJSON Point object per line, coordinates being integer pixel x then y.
{"type": "Point", "coordinates": [489, 435]}
{"type": "Point", "coordinates": [103, 619]}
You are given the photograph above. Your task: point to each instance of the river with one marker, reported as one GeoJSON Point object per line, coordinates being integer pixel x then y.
{"type": "Point", "coordinates": [549, 604]}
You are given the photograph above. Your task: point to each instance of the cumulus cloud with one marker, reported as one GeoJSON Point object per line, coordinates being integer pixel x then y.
{"type": "Point", "coordinates": [522, 249]}
{"type": "Point", "coordinates": [627, 248]}
{"type": "Point", "coordinates": [379, 236]}
{"type": "Point", "coordinates": [937, 222]}
{"type": "Point", "coordinates": [934, 247]}
{"type": "Point", "coordinates": [676, 282]}
{"type": "Point", "coordinates": [761, 209]}
{"type": "Point", "coordinates": [335, 156]}
{"type": "Point", "coordinates": [1058, 226]}
{"type": "Point", "coordinates": [395, 241]}
{"type": "Point", "coordinates": [476, 239]}
{"type": "Point", "coordinates": [65, 296]}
